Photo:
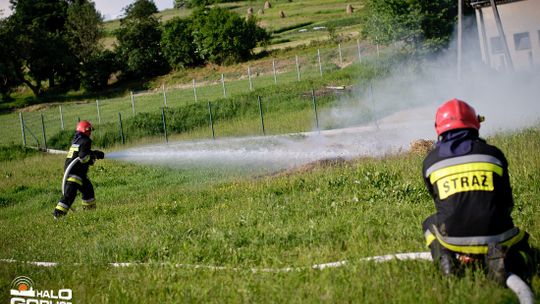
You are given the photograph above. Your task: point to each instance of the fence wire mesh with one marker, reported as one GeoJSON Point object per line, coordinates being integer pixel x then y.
{"type": "Point", "coordinates": [209, 88]}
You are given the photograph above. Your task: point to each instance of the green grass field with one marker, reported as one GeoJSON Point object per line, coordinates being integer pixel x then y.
{"type": "Point", "coordinates": [231, 234]}
{"type": "Point", "coordinates": [161, 217]}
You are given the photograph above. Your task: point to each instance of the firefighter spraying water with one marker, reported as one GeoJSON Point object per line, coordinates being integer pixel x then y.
{"type": "Point", "coordinates": [469, 182]}
{"type": "Point", "coordinates": [80, 156]}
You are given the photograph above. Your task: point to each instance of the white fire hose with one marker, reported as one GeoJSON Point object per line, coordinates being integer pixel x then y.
{"type": "Point", "coordinates": [66, 173]}
{"type": "Point", "coordinates": [520, 288]}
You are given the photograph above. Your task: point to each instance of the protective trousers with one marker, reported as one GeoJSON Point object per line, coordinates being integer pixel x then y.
{"type": "Point", "coordinates": [76, 183]}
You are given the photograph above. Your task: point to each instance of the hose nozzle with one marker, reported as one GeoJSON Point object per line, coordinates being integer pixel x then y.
{"type": "Point", "coordinates": [481, 118]}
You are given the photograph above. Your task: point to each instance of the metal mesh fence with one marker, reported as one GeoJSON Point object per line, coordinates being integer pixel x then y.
{"type": "Point", "coordinates": [210, 88]}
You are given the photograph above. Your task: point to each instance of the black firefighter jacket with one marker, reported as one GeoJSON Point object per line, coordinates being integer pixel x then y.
{"type": "Point", "coordinates": [80, 147]}
{"type": "Point", "coordinates": [472, 192]}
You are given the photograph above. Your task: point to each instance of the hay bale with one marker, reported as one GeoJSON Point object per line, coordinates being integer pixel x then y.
{"type": "Point", "coordinates": [250, 11]}
{"type": "Point", "coordinates": [260, 12]}
{"type": "Point", "coordinates": [267, 5]}
{"type": "Point", "coordinates": [350, 9]}
{"type": "Point", "coordinates": [281, 14]}
{"type": "Point", "coordinates": [422, 146]}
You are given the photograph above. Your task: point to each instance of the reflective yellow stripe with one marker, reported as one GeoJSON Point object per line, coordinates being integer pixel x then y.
{"type": "Point", "coordinates": [463, 182]}
{"type": "Point", "coordinates": [74, 180]}
{"type": "Point", "coordinates": [86, 159]}
{"type": "Point", "coordinates": [481, 249]}
{"type": "Point", "coordinates": [438, 174]}
{"type": "Point", "coordinates": [429, 239]}
{"type": "Point", "coordinates": [74, 148]}
{"type": "Point", "coordinates": [61, 208]}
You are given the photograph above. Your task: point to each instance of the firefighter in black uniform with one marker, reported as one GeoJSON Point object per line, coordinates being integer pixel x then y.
{"type": "Point", "coordinates": [77, 179]}
{"type": "Point", "coordinates": [469, 183]}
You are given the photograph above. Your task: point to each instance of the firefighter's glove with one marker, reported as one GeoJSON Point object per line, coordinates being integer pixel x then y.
{"type": "Point", "coordinates": [99, 155]}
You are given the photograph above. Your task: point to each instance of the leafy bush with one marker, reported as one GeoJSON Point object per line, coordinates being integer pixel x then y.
{"type": "Point", "coordinates": [98, 69]}
{"type": "Point", "coordinates": [222, 36]}
{"type": "Point", "coordinates": [61, 140]}
{"type": "Point", "coordinates": [139, 39]}
{"type": "Point", "coordinates": [177, 43]}
{"type": "Point", "coordinates": [424, 25]}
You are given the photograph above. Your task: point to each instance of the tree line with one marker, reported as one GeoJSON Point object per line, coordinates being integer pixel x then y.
{"type": "Point", "coordinates": [53, 47]}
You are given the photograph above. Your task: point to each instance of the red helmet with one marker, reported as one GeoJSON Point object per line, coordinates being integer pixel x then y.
{"type": "Point", "coordinates": [456, 114]}
{"type": "Point", "coordinates": [85, 127]}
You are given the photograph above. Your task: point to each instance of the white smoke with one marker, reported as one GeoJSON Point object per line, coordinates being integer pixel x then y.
{"type": "Point", "coordinates": [382, 117]}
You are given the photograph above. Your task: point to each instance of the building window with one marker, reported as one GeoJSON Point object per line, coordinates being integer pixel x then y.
{"type": "Point", "coordinates": [522, 41]}
{"type": "Point", "coordinates": [496, 45]}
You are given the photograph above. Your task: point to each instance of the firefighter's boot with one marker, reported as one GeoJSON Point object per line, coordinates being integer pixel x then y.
{"type": "Point", "coordinates": [495, 263]}
{"type": "Point", "coordinates": [89, 205]}
{"type": "Point", "coordinates": [58, 214]}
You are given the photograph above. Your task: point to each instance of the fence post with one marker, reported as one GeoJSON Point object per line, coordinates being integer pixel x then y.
{"type": "Point", "coordinates": [261, 113]}
{"type": "Point", "coordinates": [194, 90]}
{"type": "Point", "coordinates": [61, 118]}
{"type": "Point", "coordinates": [297, 68]}
{"type": "Point", "coordinates": [211, 120]}
{"type": "Point", "coordinates": [98, 114]}
{"type": "Point", "coordinates": [378, 54]}
{"type": "Point", "coordinates": [340, 55]}
{"type": "Point", "coordinates": [132, 102]}
{"type": "Point", "coordinates": [319, 59]}
{"type": "Point", "coordinates": [43, 130]}
{"type": "Point", "coordinates": [164, 124]}
{"type": "Point", "coordinates": [164, 95]}
{"type": "Point", "coordinates": [223, 85]}
{"type": "Point", "coordinates": [22, 128]}
{"type": "Point", "coordinates": [274, 70]}
{"type": "Point", "coordinates": [121, 128]}
{"type": "Point", "coordinates": [315, 109]}
{"type": "Point", "coordinates": [249, 78]}
{"type": "Point", "coordinates": [359, 51]}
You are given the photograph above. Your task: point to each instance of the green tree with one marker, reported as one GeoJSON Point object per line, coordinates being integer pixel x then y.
{"type": "Point", "coordinates": [422, 24]}
{"type": "Point", "coordinates": [84, 29]}
{"type": "Point", "coordinates": [140, 9]}
{"type": "Point", "coordinates": [177, 43]}
{"type": "Point", "coordinates": [38, 27]}
{"type": "Point", "coordinates": [10, 64]}
{"type": "Point", "coordinates": [97, 70]}
{"type": "Point", "coordinates": [222, 36]}
{"type": "Point", "coordinates": [139, 39]}
{"type": "Point", "coordinates": [54, 39]}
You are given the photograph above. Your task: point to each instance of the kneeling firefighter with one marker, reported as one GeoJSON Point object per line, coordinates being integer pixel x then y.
{"type": "Point", "coordinates": [469, 183]}
{"type": "Point", "coordinates": [79, 158]}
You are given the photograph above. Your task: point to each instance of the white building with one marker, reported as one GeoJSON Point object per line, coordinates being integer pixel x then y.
{"type": "Point", "coordinates": [520, 23]}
